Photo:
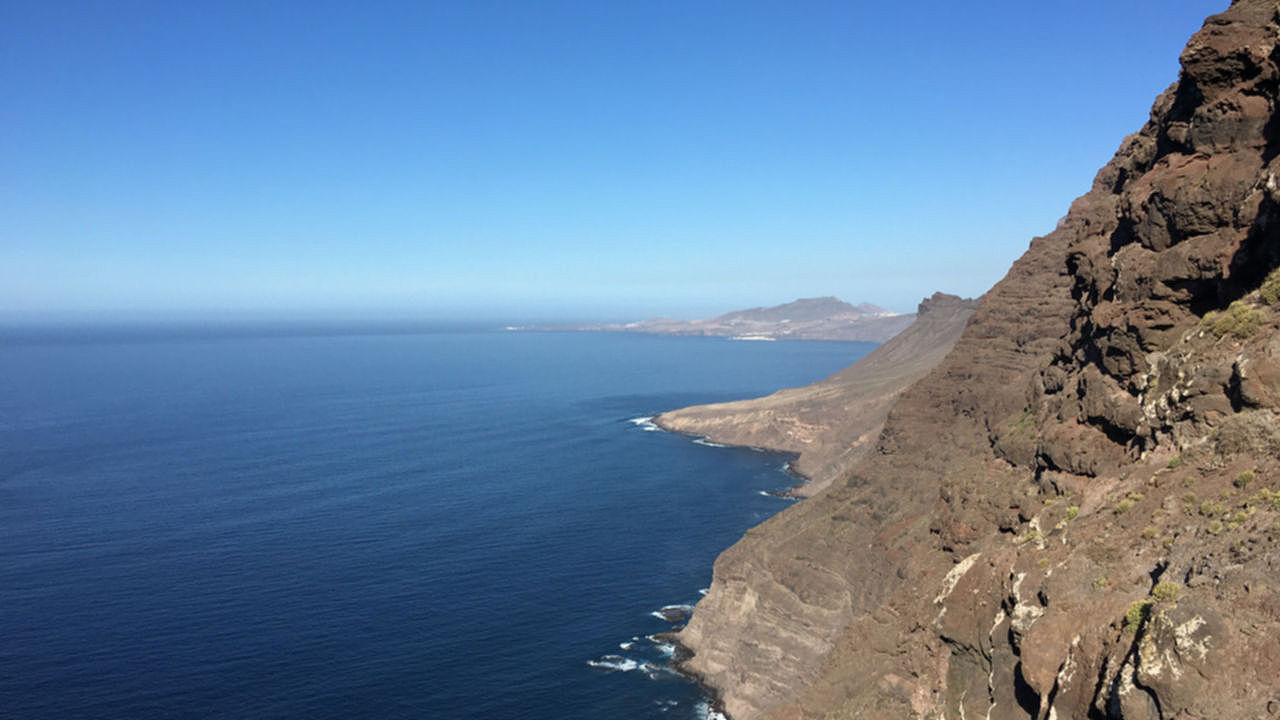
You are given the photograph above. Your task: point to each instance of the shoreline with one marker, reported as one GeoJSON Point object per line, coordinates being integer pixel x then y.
{"type": "Point", "coordinates": [793, 492]}
{"type": "Point", "coordinates": [679, 664]}
{"type": "Point", "coordinates": [682, 654]}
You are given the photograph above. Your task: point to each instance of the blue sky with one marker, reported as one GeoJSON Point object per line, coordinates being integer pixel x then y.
{"type": "Point", "coordinates": [548, 160]}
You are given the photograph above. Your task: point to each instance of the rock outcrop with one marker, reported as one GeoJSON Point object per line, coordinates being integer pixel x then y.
{"type": "Point", "coordinates": [831, 423]}
{"type": "Point", "coordinates": [1076, 514]}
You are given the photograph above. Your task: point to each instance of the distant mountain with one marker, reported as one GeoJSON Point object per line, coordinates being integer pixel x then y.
{"type": "Point", "coordinates": [833, 422]}
{"type": "Point", "coordinates": [824, 318]}
{"type": "Point", "coordinates": [803, 310]}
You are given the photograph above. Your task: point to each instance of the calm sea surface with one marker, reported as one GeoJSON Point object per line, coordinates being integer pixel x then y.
{"type": "Point", "coordinates": [437, 525]}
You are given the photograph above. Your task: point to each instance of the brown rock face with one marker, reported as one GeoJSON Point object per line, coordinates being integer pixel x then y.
{"type": "Point", "coordinates": [833, 422]}
{"type": "Point", "coordinates": [1076, 514]}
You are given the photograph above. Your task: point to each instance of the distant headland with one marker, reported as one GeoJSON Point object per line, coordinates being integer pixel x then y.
{"type": "Point", "coordinates": [823, 318]}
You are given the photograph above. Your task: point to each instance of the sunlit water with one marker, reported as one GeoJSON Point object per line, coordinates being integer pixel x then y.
{"type": "Point", "coordinates": [439, 525]}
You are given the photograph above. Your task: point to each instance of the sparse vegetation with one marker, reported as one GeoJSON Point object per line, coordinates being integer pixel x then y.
{"type": "Point", "coordinates": [1136, 615]}
{"type": "Point", "coordinates": [1271, 496]}
{"type": "Point", "coordinates": [1238, 319]}
{"type": "Point", "coordinates": [1101, 581]}
{"type": "Point", "coordinates": [1210, 508]}
{"type": "Point", "coordinates": [1270, 290]}
{"type": "Point", "coordinates": [1243, 479]}
{"type": "Point", "coordinates": [1174, 462]}
{"type": "Point", "coordinates": [1073, 512]}
{"type": "Point", "coordinates": [1150, 532]}
{"type": "Point", "coordinates": [1124, 506]}
{"type": "Point", "coordinates": [1214, 527]}
{"type": "Point", "coordinates": [1166, 591]}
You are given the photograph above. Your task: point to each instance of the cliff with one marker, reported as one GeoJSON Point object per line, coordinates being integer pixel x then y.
{"type": "Point", "coordinates": [833, 422]}
{"type": "Point", "coordinates": [1076, 514]}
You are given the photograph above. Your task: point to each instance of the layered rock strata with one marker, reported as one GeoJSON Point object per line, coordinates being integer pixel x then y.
{"type": "Point", "coordinates": [1076, 514]}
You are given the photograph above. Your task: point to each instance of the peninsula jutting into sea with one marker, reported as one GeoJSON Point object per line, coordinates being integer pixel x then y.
{"type": "Point", "coordinates": [823, 318]}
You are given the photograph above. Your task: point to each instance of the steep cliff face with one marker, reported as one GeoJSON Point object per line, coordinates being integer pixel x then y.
{"type": "Point", "coordinates": [832, 422]}
{"type": "Point", "coordinates": [1077, 513]}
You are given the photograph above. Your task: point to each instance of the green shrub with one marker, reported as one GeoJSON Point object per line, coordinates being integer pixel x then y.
{"type": "Point", "coordinates": [1271, 496]}
{"type": "Point", "coordinates": [1072, 512]}
{"type": "Point", "coordinates": [1124, 506]}
{"type": "Point", "coordinates": [1165, 591]}
{"type": "Point", "coordinates": [1214, 527]}
{"type": "Point", "coordinates": [1270, 289]}
{"type": "Point", "coordinates": [1209, 508]}
{"type": "Point", "coordinates": [1243, 479]}
{"type": "Point", "coordinates": [1136, 615]}
{"type": "Point", "coordinates": [1174, 462]}
{"type": "Point", "coordinates": [1239, 320]}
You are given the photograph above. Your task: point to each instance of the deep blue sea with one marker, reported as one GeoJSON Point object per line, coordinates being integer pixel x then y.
{"type": "Point", "coordinates": [460, 524]}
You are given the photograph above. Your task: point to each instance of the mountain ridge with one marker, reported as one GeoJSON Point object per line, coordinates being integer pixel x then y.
{"type": "Point", "coordinates": [1076, 514]}
{"type": "Point", "coordinates": [831, 422]}
{"type": "Point", "coordinates": [821, 318]}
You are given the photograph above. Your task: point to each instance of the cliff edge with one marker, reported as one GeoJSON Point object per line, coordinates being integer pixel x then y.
{"type": "Point", "coordinates": [832, 422]}
{"type": "Point", "coordinates": [1076, 514]}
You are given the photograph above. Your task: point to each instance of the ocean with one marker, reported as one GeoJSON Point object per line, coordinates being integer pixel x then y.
{"type": "Point", "coordinates": [450, 524]}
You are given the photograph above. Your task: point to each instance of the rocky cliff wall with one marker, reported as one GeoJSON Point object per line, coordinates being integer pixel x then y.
{"type": "Point", "coordinates": [1077, 513]}
{"type": "Point", "coordinates": [831, 423]}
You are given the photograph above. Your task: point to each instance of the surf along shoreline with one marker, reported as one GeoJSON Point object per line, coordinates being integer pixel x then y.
{"type": "Point", "coordinates": [681, 654]}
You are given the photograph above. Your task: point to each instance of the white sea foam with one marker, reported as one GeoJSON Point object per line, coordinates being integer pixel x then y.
{"type": "Point", "coordinates": [703, 711]}
{"type": "Point", "coordinates": [614, 663]}
{"type": "Point", "coordinates": [653, 672]}
{"type": "Point", "coordinates": [627, 645]}
{"type": "Point", "coordinates": [645, 423]}
{"type": "Point", "coordinates": [673, 613]}
{"type": "Point", "coordinates": [703, 592]}
{"type": "Point", "coordinates": [708, 443]}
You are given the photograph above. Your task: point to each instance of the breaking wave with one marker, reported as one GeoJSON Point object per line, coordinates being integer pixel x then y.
{"type": "Point", "coordinates": [645, 423]}
{"type": "Point", "coordinates": [614, 663]}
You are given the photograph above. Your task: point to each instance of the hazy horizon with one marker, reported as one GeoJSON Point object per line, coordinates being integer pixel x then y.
{"type": "Point", "coordinates": [548, 162]}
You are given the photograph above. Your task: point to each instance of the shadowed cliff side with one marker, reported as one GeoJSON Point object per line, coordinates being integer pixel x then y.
{"type": "Point", "coordinates": [832, 422]}
{"type": "Point", "coordinates": [1077, 513]}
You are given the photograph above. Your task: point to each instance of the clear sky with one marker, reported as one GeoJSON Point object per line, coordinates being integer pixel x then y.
{"type": "Point", "coordinates": [522, 160]}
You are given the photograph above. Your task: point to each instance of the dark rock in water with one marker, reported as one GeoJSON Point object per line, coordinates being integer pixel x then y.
{"type": "Point", "coordinates": [675, 613]}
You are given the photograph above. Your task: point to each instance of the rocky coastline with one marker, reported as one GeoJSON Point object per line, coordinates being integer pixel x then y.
{"type": "Point", "coordinates": [1076, 512]}
{"type": "Point", "coordinates": [827, 425]}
